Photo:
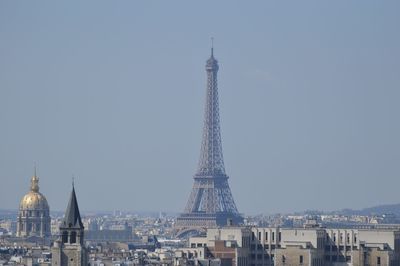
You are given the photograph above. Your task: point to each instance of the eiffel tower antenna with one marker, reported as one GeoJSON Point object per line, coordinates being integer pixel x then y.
{"type": "Point", "coordinates": [212, 46]}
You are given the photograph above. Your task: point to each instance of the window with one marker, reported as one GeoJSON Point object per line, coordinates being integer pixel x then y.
{"type": "Point", "coordinates": [301, 259]}
{"type": "Point", "coordinates": [348, 258]}
{"type": "Point", "coordinates": [334, 237]}
{"type": "Point", "coordinates": [273, 236]}
{"type": "Point", "coordinates": [73, 238]}
{"type": "Point", "coordinates": [348, 238]}
{"type": "Point", "coordinates": [378, 260]}
{"type": "Point", "coordinates": [283, 259]}
{"type": "Point", "coordinates": [252, 236]}
{"type": "Point", "coordinates": [259, 236]}
{"type": "Point", "coordinates": [64, 237]}
{"type": "Point", "coordinates": [279, 236]}
{"type": "Point", "coordinates": [266, 236]}
{"type": "Point", "coordinates": [355, 238]}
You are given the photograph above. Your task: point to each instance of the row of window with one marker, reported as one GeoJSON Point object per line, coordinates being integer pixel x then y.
{"type": "Point", "coordinates": [341, 238]}
{"type": "Point", "coordinates": [267, 257]}
{"type": "Point", "coordinates": [339, 258]}
{"type": "Point", "coordinates": [34, 213]}
{"type": "Point", "coordinates": [342, 258]}
{"type": "Point", "coordinates": [260, 247]}
{"type": "Point", "coordinates": [72, 237]}
{"type": "Point", "coordinates": [301, 259]}
{"type": "Point", "coordinates": [341, 248]}
{"type": "Point", "coordinates": [253, 236]}
{"type": "Point", "coordinates": [31, 227]}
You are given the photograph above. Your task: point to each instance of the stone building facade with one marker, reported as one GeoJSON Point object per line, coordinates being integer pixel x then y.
{"type": "Point", "coordinates": [259, 246]}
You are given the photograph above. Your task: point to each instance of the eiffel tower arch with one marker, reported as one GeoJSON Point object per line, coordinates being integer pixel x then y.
{"type": "Point", "coordinates": [210, 202]}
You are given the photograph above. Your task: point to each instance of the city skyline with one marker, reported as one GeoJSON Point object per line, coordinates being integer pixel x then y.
{"type": "Point", "coordinates": [114, 94]}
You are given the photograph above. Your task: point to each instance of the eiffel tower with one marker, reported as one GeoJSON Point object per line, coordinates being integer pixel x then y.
{"type": "Point", "coordinates": [210, 202]}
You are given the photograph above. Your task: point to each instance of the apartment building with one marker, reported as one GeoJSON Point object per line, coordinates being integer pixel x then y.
{"type": "Point", "coordinates": [267, 246]}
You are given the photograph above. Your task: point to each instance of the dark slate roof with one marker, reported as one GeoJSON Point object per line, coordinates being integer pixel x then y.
{"type": "Point", "coordinates": [72, 217]}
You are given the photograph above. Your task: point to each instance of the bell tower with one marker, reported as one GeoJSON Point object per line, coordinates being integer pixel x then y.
{"type": "Point", "coordinates": [70, 249]}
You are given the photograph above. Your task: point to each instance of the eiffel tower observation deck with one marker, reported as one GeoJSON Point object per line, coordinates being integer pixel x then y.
{"type": "Point", "coordinates": [210, 202]}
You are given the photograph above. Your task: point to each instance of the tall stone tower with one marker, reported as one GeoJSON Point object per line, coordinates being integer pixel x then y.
{"type": "Point", "coordinates": [210, 203]}
{"type": "Point", "coordinates": [69, 249]}
{"type": "Point", "coordinates": [34, 213]}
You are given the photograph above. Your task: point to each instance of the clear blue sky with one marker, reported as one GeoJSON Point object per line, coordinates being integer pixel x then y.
{"type": "Point", "coordinates": [113, 92]}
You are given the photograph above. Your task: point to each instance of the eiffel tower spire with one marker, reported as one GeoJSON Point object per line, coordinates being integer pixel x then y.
{"type": "Point", "coordinates": [210, 202]}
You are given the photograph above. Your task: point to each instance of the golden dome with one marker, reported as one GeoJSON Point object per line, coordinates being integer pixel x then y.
{"type": "Point", "coordinates": [34, 200]}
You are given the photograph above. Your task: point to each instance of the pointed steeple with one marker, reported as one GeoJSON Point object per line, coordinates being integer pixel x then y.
{"type": "Point", "coordinates": [72, 217]}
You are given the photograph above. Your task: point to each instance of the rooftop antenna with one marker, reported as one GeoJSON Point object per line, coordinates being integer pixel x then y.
{"type": "Point", "coordinates": [34, 169]}
{"type": "Point", "coordinates": [73, 181]}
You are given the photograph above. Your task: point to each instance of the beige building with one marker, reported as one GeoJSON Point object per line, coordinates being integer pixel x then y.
{"type": "Point", "coordinates": [257, 246]}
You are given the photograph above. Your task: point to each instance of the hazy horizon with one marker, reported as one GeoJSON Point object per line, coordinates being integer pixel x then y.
{"type": "Point", "coordinates": [113, 93]}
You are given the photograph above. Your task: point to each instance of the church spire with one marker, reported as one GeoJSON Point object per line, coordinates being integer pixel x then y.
{"type": "Point", "coordinates": [72, 217]}
{"type": "Point", "coordinates": [70, 248]}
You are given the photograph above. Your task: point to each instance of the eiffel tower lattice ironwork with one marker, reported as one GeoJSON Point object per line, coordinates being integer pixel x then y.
{"type": "Point", "coordinates": [211, 202]}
